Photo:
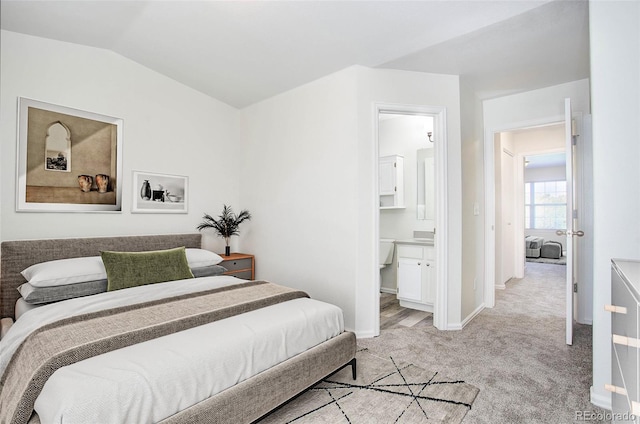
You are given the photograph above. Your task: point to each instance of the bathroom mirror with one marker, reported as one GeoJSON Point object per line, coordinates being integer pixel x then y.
{"type": "Point", "coordinates": [426, 184]}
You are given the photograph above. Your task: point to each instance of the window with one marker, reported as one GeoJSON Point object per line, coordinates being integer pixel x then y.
{"type": "Point", "coordinates": [545, 205]}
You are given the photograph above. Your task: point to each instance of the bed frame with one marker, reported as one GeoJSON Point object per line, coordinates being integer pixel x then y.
{"type": "Point", "coordinates": [245, 402]}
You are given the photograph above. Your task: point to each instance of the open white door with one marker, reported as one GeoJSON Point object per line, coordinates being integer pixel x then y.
{"type": "Point", "coordinates": [571, 220]}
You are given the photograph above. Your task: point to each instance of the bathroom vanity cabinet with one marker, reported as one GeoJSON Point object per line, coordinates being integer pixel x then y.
{"type": "Point", "coordinates": [416, 275]}
{"type": "Point", "coordinates": [391, 179]}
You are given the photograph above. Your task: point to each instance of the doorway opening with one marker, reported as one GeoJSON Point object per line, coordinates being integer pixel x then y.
{"type": "Point", "coordinates": [412, 197]}
{"type": "Point", "coordinates": [530, 201]}
{"type": "Point", "coordinates": [545, 208]}
{"type": "Point", "coordinates": [577, 137]}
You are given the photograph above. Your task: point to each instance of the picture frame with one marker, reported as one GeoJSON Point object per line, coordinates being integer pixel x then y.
{"type": "Point", "coordinates": [68, 160]}
{"type": "Point", "coordinates": [159, 193]}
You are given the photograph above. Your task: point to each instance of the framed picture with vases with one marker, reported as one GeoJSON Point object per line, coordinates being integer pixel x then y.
{"type": "Point", "coordinates": [69, 160]}
{"type": "Point", "coordinates": [159, 193]}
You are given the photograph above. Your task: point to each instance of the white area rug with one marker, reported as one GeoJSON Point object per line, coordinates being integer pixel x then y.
{"type": "Point", "coordinates": [385, 391]}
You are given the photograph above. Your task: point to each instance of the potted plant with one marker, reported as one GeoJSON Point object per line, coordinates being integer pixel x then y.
{"type": "Point", "coordinates": [226, 225]}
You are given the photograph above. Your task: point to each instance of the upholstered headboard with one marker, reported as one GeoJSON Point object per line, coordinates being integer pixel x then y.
{"type": "Point", "coordinates": [15, 256]}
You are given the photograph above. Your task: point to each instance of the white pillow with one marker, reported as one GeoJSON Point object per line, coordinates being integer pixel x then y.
{"type": "Point", "coordinates": [201, 257]}
{"type": "Point", "coordinates": [77, 270]}
{"type": "Point", "coordinates": [65, 271]}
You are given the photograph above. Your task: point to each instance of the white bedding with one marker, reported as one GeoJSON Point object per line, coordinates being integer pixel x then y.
{"type": "Point", "coordinates": [30, 320]}
{"type": "Point", "coordinates": [22, 307]}
{"type": "Point", "coordinates": [153, 380]}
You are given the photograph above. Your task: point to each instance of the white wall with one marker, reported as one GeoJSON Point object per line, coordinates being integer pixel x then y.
{"type": "Point", "coordinates": [309, 161]}
{"type": "Point", "coordinates": [405, 88]}
{"type": "Point", "coordinates": [615, 86]}
{"type": "Point", "coordinates": [532, 141]}
{"type": "Point", "coordinates": [473, 289]}
{"type": "Point", "coordinates": [535, 107]}
{"type": "Point", "coordinates": [168, 128]}
{"type": "Point", "coordinates": [547, 173]}
{"type": "Point", "coordinates": [299, 179]}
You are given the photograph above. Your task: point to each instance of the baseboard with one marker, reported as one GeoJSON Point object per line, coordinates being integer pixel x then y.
{"type": "Point", "coordinates": [602, 401]}
{"type": "Point", "coordinates": [502, 286]}
{"type": "Point", "coordinates": [387, 290]}
{"type": "Point", "coordinates": [467, 320]}
{"type": "Point", "coordinates": [472, 315]}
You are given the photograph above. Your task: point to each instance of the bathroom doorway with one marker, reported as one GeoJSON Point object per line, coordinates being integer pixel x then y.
{"type": "Point", "coordinates": [411, 146]}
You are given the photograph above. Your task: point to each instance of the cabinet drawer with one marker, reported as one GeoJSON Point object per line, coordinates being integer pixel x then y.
{"type": "Point", "coordinates": [623, 324]}
{"type": "Point", "coordinates": [245, 275]}
{"type": "Point", "coordinates": [625, 351]}
{"type": "Point", "coordinates": [237, 264]}
{"type": "Point", "coordinates": [626, 358]}
{"type": "Point", "coordinates": [411, 252]}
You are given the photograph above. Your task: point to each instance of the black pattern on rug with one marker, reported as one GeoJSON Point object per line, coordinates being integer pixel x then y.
{"type": "Point", "coordinates": [385, 392]}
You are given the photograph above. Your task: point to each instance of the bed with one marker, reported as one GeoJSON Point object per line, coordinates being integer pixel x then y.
{"type": "Point", "coordinates": [160, 329]}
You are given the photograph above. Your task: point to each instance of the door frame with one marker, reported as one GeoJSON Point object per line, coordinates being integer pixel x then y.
{"type": "Point", "coordinates": [584, 162]}
{"type": "Point", "coordinates": [439, 113]}
{"type": "Point", "coordinates": [500, 284]}
{"type": "Point", "coordinates": [490, 199]}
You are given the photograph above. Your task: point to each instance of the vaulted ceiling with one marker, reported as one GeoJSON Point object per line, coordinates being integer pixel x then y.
{"type": "Point", "coordinates": [242, 52]}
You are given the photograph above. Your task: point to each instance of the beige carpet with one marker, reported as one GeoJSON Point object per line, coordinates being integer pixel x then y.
{"type": "Point", "coordinates": [385, 391]}
{"type": "Point", "coordinates": [515, 354]}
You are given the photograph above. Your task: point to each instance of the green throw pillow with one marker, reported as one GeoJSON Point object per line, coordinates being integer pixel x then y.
{"type": "Point", "coordinates": [130, 269]}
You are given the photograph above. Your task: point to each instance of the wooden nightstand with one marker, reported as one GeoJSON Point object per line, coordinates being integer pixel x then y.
{"type": "Point", "coordinates": [239, 265]}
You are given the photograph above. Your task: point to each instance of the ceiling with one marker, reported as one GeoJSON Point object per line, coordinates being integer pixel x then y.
{"type": "Point", "coordinates": [242, 52]}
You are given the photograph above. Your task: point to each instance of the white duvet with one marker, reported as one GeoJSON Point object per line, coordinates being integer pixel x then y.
{"type": "Point", "coordinates": [153, 380]}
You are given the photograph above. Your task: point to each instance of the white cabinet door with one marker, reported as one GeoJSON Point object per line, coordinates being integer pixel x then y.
{"type": "Point", "coordinates": [387, 177]}
{"type": "Point", "coordinates": [430, 282]}
{"type": "Point", "coordinates": [391, 181]}
{"type": "Point", "coordinates": [409, 279]}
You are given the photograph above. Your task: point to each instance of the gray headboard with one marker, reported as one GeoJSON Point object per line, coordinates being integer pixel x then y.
{"type": "Point", "coordinates": [15, 256]}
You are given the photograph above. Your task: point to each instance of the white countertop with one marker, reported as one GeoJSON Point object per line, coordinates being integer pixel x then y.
{"type": "Point", "coordinates": [416, 241]}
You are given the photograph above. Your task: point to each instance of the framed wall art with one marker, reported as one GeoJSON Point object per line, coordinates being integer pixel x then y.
{"type": "Point", "coordinates": [69, 160]}
{"type": "Point", "coordinates": [159, 193]}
